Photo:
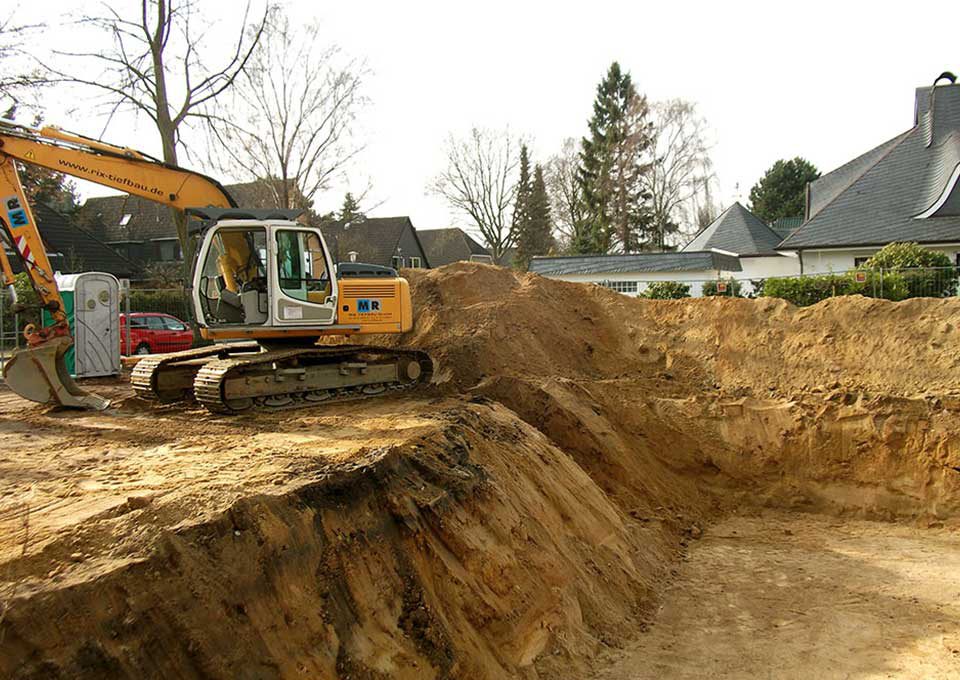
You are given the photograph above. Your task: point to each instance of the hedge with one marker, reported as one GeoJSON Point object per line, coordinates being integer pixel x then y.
{"type": "Point", "coordinates": [809, 290]}
{"type": "Point", "coordinates": [173, 301]}
{"type": "Point", "coordinates": [733, 288]}
{"type": "Point", "coordinates": [666, 290]}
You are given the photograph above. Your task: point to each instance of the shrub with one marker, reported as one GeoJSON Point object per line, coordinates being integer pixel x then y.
{"type": "Point", "coordinates": [809, 290]}
{"type": "Point", "coordinates": [666, 290]}
{"type": "Point", "coordinates": [905, 256]}
{"type": "Point", "coordinates": [170, 301]}
{"type": "Point", "coordinates": [926, 273]}
{"type": "Point", "coordinates": [733, 288]}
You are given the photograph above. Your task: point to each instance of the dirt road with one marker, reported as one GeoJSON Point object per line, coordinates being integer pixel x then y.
{"type": "Point", "coordinates": [800, 596]}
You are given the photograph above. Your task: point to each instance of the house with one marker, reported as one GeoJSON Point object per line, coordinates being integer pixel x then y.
{"type": "Point", "coordinates": [444, 246]}
{"type": "Point", "coordinates": [144, 231]}
{"type": "Point", "coordinates": [72, 248]}
{"type": "Point", "coordinates": [385, 241]}
{"type": "Point", "coordinates": [631, 274]}
{"type": "Point", "coordinates": [739, 231]}
{"type": "Point", "coordinates": [904, 189]}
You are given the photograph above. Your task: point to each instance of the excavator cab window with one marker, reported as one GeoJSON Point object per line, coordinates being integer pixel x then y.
{"type": "Point", "coordinates": [302, 266]}
{"type": "Point", "coordinates": [233, 287]}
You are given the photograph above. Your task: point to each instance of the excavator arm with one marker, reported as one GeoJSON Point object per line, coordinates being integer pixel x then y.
{"type": "Point", "coordinates": [38, 372]}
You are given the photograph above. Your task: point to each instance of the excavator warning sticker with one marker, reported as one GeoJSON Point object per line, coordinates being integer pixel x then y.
{"type": "Point", "coordinates": [16, 215]}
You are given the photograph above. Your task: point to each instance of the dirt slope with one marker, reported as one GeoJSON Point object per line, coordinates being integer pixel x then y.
{"type": "Point", "coordinates": [517, 519]}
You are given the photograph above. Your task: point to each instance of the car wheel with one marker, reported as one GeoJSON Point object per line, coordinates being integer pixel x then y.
{"type": "Point", "coordinates": [142, 348]}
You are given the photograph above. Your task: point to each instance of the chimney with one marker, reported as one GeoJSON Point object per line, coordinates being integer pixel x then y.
{"type": "Point", "coordinates": [937, 108]}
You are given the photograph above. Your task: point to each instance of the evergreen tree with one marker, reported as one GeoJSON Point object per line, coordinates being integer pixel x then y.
{"type": "Point", "coordinates": [350, 212]}
{"type": "Point", "coordinates": [782, 191]}
{"type": "Point", "coordinates": [520, 208]}
{"type": "Point", "coordinates": [536, 236]}
{"type": "Point", "coordinates": [612, 168]}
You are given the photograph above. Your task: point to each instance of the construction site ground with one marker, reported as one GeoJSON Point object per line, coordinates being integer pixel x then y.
{"type": "Point", "coordinates": [592, 487]}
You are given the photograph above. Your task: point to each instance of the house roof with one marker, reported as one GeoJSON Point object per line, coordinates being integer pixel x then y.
{"type": "Point", "coordinates": [736, 230]}
{"type": "Point", "coordinates": [902, 190]}
{"type": "Point", "coordinates": [77, 247]}
{"type": "Point", "coordinates": [683, 261]}
{"type": "Point", "coordinates": [150, 220]}
{"type": "Point", "coordinates": [784, 226]}
{"type": "Point", "coordinates": [374, 239]}
{"type": "Point", "coordinates": [444, 246]}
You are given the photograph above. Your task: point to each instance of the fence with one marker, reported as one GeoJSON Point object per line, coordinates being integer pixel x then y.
{"type": "Point", "coordinates": [809, 288]}
{"type": "Point", "coordinates": [170, 301]}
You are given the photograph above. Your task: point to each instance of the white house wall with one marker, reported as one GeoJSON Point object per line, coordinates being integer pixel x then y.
{"type": "Point", "coordinates": [830, 261]}
{"type": "Point", "coordinates": [695, 279]}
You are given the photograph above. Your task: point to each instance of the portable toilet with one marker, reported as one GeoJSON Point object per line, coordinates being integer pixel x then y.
{"type": "Point", "coordinates": [92, 303]}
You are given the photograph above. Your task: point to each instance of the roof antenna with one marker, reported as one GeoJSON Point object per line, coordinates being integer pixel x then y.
{"type": "Point", "coordinates": [946, 75]}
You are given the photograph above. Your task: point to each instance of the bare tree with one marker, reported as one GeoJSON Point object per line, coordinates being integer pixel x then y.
{"type": "Point", "coordinates": [290, 121]}
{"type": "Point", "coordinates": [703, 206]}
{"type": "Point", "coordinates": [566, 195]}
{"type": "Point", "coordinates": [18, 78]}
{"type": "Point", "coordinates": [153, 65]}
{"type": "Point", "coordinates": [480, 182]}
{"type": "Point", "coordinates": [681, 168]}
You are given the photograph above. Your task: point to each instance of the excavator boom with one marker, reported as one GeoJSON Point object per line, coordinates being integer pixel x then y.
{"type": "Point", "coordinates": [38, 372]}
{"type": "Point", "coordinates": [258, 275]}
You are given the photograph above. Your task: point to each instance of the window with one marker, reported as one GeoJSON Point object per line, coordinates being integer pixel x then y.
{"type": "Point", "coordinates": [233, 266]}
{"type": "Point", "coordinates": [413, 262]}
{"type": "Point", "coordinates": [487, 259]}
{"type": "Point", "coordinates": [620, 286]}
{"type": "Point", "coordinates": [138, 322]}
{"type": "Point", "coordinates": [172, 324]}
{"type": "Point", "coordinates": [396, 262]}
{"type": "Point", "coordinates": [125, 220]}
{"type": "Point", "coordinates": [301, 264]}
{"type": "Point", "coordinates": [167, 250]}
{"type": "Point", "coordinates": [155, 323]}
{"type": "Point", "coordinates": [858, 261]}
{"type": "Point", "coordinates": [956, 259]}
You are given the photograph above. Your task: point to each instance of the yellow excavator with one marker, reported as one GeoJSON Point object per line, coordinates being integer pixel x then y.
{"type": "Point", "coordinates": [264, 289]}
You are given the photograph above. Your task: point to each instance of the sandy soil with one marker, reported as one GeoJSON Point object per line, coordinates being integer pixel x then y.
{"type": "Point", "coordinates": [804, 596]}
{"type": "Point", "coordinates": [69, 480]}
{"type": "Point", "coordinates": [523, 517]}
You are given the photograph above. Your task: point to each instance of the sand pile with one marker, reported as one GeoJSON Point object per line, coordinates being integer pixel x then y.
{"type": "Point", "coordinates": [515, 520]}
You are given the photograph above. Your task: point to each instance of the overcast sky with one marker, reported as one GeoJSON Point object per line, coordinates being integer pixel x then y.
{"type": "Point", "coordinates": [824, 80]}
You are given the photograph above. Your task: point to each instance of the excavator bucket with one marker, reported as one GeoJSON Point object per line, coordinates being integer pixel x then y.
{"type": "Point", "coordinates": [40, 374]}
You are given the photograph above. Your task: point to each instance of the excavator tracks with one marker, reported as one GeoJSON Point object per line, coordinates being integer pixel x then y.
{"type": "Point", "coordinates": [238, 377]}
{"type": "Point", "coordinates": [303, 377]}
{"type": "Point", "coordinates": [169, 377]}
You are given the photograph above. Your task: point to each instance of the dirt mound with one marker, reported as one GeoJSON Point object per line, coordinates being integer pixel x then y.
{"type": "Point", "coordinates": [479, 321]}
{"type": "Point", "coordinates": [517, 520]}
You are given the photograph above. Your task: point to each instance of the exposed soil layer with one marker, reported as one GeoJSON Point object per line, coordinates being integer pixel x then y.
{"type": "Point", "coordinates": [522, 517]}
{"type": "Point", "coordinates": [800, 596]}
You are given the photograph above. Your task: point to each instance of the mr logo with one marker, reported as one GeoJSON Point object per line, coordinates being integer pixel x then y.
{"type": "Point", "coordinates": [16, 215]}
{"type": "Point", "coordinates": [364, 306]}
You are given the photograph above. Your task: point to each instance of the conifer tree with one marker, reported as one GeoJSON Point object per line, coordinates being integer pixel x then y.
{"type": "Point", "coordinates": [350, 211]}
{"type": "Point", "coordinates": [523, 192]}
{"type": "Point", "coordinates": [536, 237]}
{"type": "Point", "coordinates": [612, 168]}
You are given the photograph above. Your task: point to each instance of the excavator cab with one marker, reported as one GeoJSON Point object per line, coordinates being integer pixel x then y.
{"type": "Point", "coordinates": [253, 274]}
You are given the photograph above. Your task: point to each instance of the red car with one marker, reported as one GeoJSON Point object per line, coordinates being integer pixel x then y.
{"type": "Point", "coordinates": [154, 333]}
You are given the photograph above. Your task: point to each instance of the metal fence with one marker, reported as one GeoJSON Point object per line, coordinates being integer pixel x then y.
{"type": "Point", "coordinates": [169, 301]}
{"type": "Point", "coordinates": [807, 288]}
